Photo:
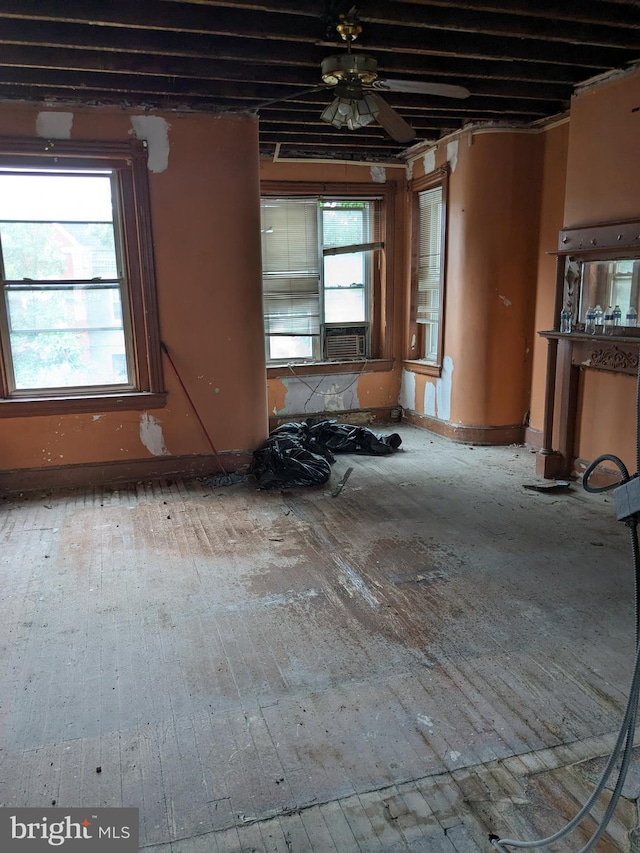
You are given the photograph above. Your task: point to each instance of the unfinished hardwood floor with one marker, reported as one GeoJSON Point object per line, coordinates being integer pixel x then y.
{"type": "Point", "coordinates": [432, 655]}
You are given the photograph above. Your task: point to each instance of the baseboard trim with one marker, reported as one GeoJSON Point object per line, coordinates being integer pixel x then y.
{"type": "Point", "coordinates": [22, 480]}
{"type": "Point", "coordinates": [357, 417]}
{"type": "Point", "coordinates": [533, 437]}
{"type": "Point", "coordinates": [490, 435]}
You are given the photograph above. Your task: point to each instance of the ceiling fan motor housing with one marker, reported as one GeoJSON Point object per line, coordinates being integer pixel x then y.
{"type": "Point", "coordinates": [349, 66]}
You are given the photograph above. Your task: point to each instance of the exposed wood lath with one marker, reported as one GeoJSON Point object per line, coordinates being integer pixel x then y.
{"type": "Point", "coordinates": [520, 60]}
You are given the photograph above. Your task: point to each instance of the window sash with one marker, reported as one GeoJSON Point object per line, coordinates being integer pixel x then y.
{"type": "Point", "coordinates": [299, 239]}
{"type": "Point", "coordinates": [65, 350]}
{"type": "Point", "coordinates": [125, 164]}
{"type": "Point", "coordinates": [429, 255]}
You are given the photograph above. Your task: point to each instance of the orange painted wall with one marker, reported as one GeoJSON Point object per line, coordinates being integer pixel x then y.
{"type": "Point", "coordinates": [603, 185]}
{"type": "Point", "coordinates": [603, 179]}
{"type": "Point", "coordinates": [494, 196]}
{"type": "Point", "coordinates": [555, 141]}
{"type": "Point", "coordinates": [205, 221]}
{"type": "Point", "coordinates": [308, 394]}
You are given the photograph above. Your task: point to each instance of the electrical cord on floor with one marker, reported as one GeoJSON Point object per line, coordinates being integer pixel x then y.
{"type": "Point", "coordinates": [628, 510]}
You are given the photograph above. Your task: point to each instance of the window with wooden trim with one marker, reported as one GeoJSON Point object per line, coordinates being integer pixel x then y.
{"type": "Point", "coordinates": [78, 318]}
{"type": "Point", "coordinates": [319, 267]}
{"type": "Point", "coordinates": [428, 270]}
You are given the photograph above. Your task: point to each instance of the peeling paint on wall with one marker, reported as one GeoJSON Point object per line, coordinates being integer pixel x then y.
{"type": "Point", "coordinates": [429, 161]}
{"type": "Point", "coordinates": [452, 154]}
{"type": "Point", "coordinates": [334, 393]}
{"type": "Point", "coordinates": [151, 435]}
{"type": "Point", "coordinates": [506, 301]}
{"type": "Point", "coordinates": [378, 174]}
{"type": "Point", "coordinates": [54, 125]}
{"type": "Point", "coordinates": [408, 390]}
{"type": "Point", "coordinates": [409, 170]}
{"type": "Point", "coordinates": [156, 132]}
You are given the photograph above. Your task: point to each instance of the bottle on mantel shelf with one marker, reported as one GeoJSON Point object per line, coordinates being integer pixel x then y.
{"type": "Point", "coordinates": [598, 320]}
{"type": "Point", "coordinates": [632, 316]}
{"type": "Point", "coordinates": [617, 316]}
{"type": "Point", "coordinates": [590, 320]}
{"type": "Point", "coordinates": [608, 321]}
{"type": "Point", "coordinates": [565, 321]}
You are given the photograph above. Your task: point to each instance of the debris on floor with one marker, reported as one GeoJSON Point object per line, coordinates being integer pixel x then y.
{"type": "Point", "coordinates": [549, 488]}
{"type": "Point", "coordinates": [225, 480]}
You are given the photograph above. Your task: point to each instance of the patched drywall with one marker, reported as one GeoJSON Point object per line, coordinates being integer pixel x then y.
{"type": "Point", "coordinates": [334, 393]}
{"type": "Point", "coordinates": [151, 435]}
{"type": "Point", "coordinates": [155, 130]}
{"type": "Point", "coordinates": [429, 161]}
{"type": "Point", "coordinates": [408, 390]}
{"type": "Point", "coordinates": [452, 154]}
{"type": "Point", "coordinates": [436, 395]}
{"type": "Point", "coordinates": [54, 125]}
{"type": "Point", "coordinates": [443, 390]}
{"type": "Point", "coordinates": [430, 399]}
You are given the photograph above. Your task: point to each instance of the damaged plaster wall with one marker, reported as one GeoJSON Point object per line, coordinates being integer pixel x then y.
{"type": "Point", "coordinates": [155, 130]}
{"type": "Point", "coordinates": [333, 393]}
{"type": "Point", "coordinates": [151, 435]}
{"type": "Point", "coordinates": [54, 125]}
{"type": "Point", "coordinates": [408, 390]}
{"type": "Point", "coordinates": [436, 396]}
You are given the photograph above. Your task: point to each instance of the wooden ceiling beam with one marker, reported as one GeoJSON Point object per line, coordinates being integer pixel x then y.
{"type": "Point", "coordinates": [613, 13]}
{"type": "Point", "coordinates": [49, 63]}
{"type": "Point", "coordinates": [564, 47]}
{"type": "Point", "coordinates": [299, 70]}
{"type": "Point", "coordinates": [241, 95]}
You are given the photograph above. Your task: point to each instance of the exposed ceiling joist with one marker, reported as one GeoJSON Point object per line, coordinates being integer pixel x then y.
{"type": "Point", "coordinates": [520, 64]}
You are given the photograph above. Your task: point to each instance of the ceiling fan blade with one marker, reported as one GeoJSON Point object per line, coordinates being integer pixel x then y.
{"type": "Point", "coordinates": [416, 87]}
{"type": "Point", "coordinates": [392, 122]}
{"type": "Point", "coordinates": [319, 87]}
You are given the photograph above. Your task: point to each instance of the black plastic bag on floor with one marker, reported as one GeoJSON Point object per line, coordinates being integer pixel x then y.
{"type": "Point", "coordinates": [283, 462]}
{"type": "Point", "coordinates": [344, 438]}
{"type": "Point", "coordinates": [300, 454]}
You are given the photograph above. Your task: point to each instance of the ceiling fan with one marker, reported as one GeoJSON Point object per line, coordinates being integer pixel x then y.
{"type": "Point", "coordinates": [355, 80]}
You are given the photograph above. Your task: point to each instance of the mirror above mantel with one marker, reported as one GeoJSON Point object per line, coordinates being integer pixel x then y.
{"type": "Point", "coordinates": [600, 269]}
{"type": "Point", "coordinates": [597, 266]}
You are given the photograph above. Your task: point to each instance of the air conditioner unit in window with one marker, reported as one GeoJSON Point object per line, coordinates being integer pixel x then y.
{"type": "Point", "coordinates": [345, 341]}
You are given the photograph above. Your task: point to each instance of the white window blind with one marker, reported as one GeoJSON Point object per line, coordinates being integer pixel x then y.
{"type": "Point", "coordinates": [290, 266]}
{"type": "Point", "coordinates": [430, 267]}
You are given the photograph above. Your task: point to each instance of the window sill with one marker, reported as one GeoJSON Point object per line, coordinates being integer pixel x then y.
{"type": "Point", "coordinates": [420, 366]}
{"type": "Point", "coordinates": [136, 401]}
{"type": "Point", "coordinates": [306, 368]}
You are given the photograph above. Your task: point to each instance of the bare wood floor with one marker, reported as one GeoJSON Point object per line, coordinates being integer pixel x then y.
{"type": "Point", "coordinates": [433, 655]}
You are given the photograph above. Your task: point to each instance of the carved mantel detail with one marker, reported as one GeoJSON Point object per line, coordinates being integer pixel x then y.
{"type": "Point", "coordinates": [613, 358]}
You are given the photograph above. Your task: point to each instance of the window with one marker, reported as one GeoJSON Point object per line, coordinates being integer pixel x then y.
{"type": "Point", "coordinates": [318, 270]}
{"type": "Point", "coordinates": [78, 318]}
{"type": "Point", "coordinates": [429, 217]}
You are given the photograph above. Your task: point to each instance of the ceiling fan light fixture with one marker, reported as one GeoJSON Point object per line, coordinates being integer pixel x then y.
{"type": "Point", "coordinates": [349, 66]}
{"type": "Point", "coordinates": [352, 112]}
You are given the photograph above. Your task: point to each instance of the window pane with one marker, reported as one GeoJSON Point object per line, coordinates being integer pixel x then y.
{"type": "Point", "coordinates": [345, 223]}
{"type": "Point", "coordinates": [287, 347]}
{"type": "Point", "coordinates": [66, 338]}
{"type": "Point", "coordinates": [57, 251]}
{"type": "Point", "coordinates": [52, 197]}
{"type": "Point", "coordinates": [344, 306]}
